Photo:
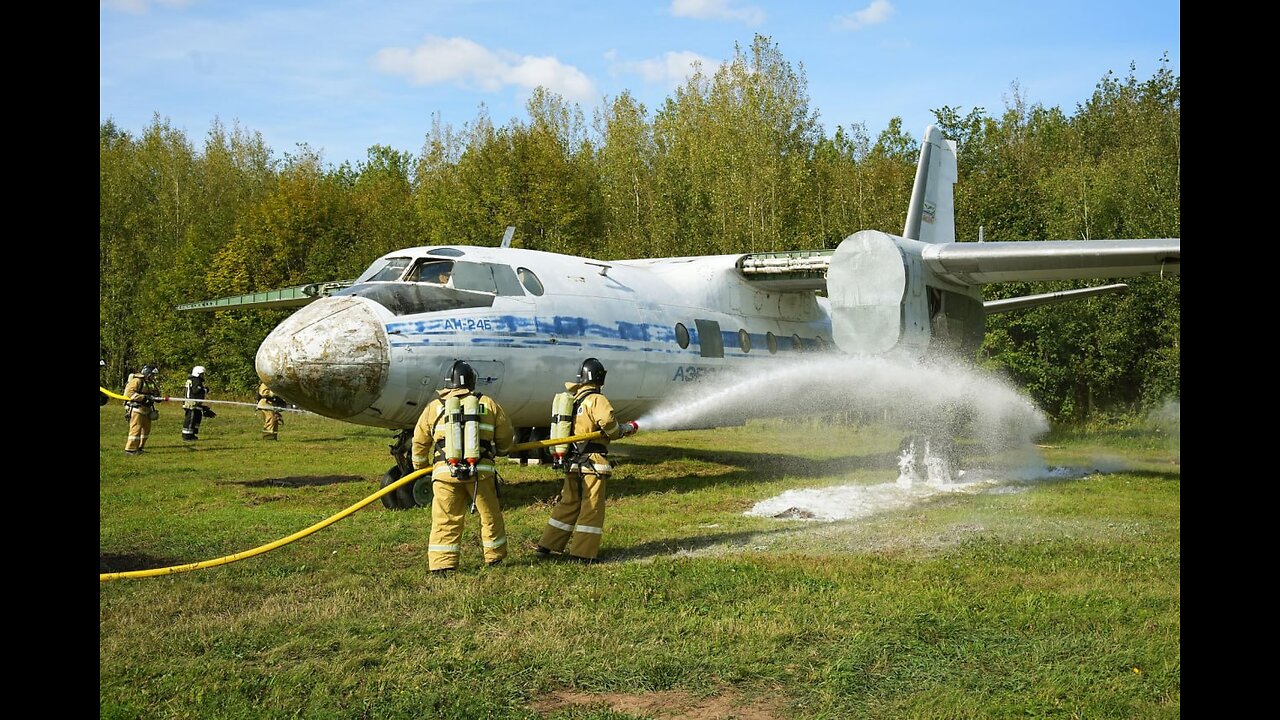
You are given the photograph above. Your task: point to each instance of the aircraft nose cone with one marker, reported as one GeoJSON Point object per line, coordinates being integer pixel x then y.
{"type": "Point", "coordinates": [331, 357]}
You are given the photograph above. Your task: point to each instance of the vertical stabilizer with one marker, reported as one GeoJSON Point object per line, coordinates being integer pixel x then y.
{"type": "Point", "coordinates": [931, 215]}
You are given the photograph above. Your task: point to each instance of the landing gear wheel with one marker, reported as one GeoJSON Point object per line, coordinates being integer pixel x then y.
{"type": "Point", "coordinates": [402, 497]}
{"type": "Point", "coordinates": [542, 455]}
{"type": "Point", "coordinates": [421, 492]}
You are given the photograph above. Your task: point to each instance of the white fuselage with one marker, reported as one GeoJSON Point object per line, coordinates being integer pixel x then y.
{"type": "Point", "coordinates": [656, 325]}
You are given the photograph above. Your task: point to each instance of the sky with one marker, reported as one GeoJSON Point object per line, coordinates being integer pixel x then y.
{"type": "Point", "coordinates": [340, 76]}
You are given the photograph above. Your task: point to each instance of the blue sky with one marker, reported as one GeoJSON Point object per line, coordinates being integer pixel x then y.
{"type": "Point", "coordinates": [342, 75]}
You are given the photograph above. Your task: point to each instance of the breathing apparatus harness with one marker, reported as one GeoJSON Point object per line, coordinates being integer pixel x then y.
{"type": "Point", "coordinates": [462, 447]}
{"type": "Point", "coordinates": [274, 400]}
{"type": "Point", "coordinates": [564, 408]}
{"type": "Point", "coordinates": [150, 391]}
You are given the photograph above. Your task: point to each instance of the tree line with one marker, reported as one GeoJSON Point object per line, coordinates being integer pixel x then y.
{"type": "Point", "coordinates": [733, 161]}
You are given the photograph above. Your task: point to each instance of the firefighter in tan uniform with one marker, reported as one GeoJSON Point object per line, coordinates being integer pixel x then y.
{"type": "Point", "coordinates": [458, 435]}
{"type": "Point", "coordinates": [576, 526]}
{"type": "Point", "coordinates": [142, 391]}
{"type": "Point", "coordinates": [268, 402]}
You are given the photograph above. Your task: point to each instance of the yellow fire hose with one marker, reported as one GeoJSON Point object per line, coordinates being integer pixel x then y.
{"type": "Point", "coordinates": [521, 447]}
{"type": "Point", "coordinates": [166, 398]}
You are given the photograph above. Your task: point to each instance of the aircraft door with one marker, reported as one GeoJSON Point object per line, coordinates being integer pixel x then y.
{"type": "Point", "coordinates": [489, 376]}
{"type": "Point", "coordinates": [649, 382]}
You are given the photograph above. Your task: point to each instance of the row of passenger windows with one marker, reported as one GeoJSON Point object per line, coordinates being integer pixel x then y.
{"type": "Point", "coordinates": [500, 279]}
{"type": "Point", "coordinates": [712, 343]}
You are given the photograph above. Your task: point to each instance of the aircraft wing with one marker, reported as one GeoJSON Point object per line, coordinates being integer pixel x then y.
{"type": "Point", "coordinates": [290, 297]}
{"type": "Point", "coordinates": [977, 263]}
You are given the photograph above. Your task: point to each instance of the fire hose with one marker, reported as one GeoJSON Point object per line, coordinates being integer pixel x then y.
{"type": "Point", "coordinates": [166, 398]}
{"type": "Point", "coordinates": [226, 559]}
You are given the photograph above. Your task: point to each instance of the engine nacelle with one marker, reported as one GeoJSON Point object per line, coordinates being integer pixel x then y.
{"type": "Point", "coordinates": [886, 301]}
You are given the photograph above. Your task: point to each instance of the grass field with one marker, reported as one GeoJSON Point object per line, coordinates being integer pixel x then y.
{"type": "Point", "coordinates": [1054, 599]}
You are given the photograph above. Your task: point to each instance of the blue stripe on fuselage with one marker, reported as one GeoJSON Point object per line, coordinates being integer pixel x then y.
{"type": "Point", "coordinates": [524, 331]}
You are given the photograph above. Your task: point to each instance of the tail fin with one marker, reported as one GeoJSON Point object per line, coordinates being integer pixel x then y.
{"type": "Point", "coordinates": [931, 217]}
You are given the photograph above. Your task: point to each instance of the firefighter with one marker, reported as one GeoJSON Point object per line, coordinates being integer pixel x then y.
{"type": "Point", "coordinates": [142, 391]}
{"type": "Point", "coordinates": [576, 526]}
{"type": "Point", "coordinates": [268, 404]}
{"type": "Point", "coordinates": [458, 435]}
{"type": "Point", "coordinates": [194, 410]}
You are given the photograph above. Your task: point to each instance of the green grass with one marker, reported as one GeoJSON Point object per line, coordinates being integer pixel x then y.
{"type": "Point", "coordinates": [1061, 600]}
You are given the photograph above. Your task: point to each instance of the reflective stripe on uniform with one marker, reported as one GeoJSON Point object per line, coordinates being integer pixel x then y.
{"type": "Point", "coordinates": [496, 543]}
{"type": "Point", "coordinates": [485, 426]}
{"type": "Point", "coordinates": [602, 469]}
{"type": "Point", "coordinates": [442, 548]}
{"type": "Point", "coordinates": [421, 461]}
{"type": "Point", "coordinates": [559, 525]}
{"type": "Point", "coordinates": [588, 529]}
{"type": "Point", "coordinates": [611, 428]}
{"type": "Point", "coordinates": [442, 473]}
{"type": "Point", "coordinates": [599, 469]}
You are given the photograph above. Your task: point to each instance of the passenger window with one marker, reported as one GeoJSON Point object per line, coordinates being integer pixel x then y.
{"type": "Point", "coordinates": [796, 344]}
{"type": "Point", "coordinates": [772, 340]}
{"type": "Point", "coordinates": [744, 341]}
{"type": "Point", "coordinates": [682, 335]}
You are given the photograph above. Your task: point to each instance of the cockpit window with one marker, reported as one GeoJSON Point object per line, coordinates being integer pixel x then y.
{"type": "Point", "coordinates": [486, 277]}
{"type": "Point", "coordinates": [432, 271]}
{"type": "Point", "coordinates": [385, 269]}
{"type": "Point", "coordinates": [529, 280]}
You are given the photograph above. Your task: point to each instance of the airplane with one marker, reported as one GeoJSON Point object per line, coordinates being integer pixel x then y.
{"type": "Point", "coordinates": [374, 350]}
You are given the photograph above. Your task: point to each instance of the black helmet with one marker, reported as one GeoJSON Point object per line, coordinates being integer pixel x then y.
{"type": "Point", "coordinates": [148, 370]}
{"type": "Point", "coordinates": [460, 375]}
{"type": "Point", "coordinates": [592, 371]}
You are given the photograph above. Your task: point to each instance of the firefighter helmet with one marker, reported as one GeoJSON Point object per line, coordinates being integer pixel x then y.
{"type": "Point", "coordinates": [460, 375]}
{"type": "Point", "coordinates": [592, 371]}
{"type": "Point", "coordinates": [149, 369]}
{"type": "Point", "coordinates": [197, 371]}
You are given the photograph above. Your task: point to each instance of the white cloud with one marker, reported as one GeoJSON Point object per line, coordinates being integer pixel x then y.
{"type": "Point", "coordinates": [138, 7]}
{"type": "Point", "coordinates": [670, 68]}
{"type": "Point", "coordinates": [458, 60]}
{"type": "Point", "coordinates": [716, 10]}
{"type": "Point", "coordinates": [877, 12]}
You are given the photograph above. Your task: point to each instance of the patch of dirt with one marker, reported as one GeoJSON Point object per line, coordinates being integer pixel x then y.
{"type": "Point", "coordinates": [668, 705]}
{"type": "Point", "coordinates": [128, 562]}
{"type": "Point", "coordinates": [260, 499]}
{"type": "Point", "coordinates": [299, 481]}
